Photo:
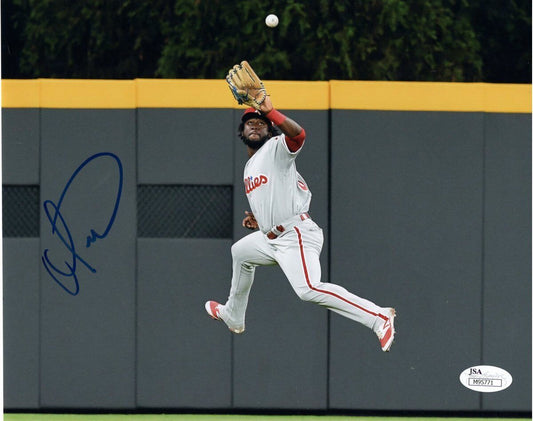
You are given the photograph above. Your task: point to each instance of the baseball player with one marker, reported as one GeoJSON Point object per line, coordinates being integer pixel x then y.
{"type": "Point", "coordinates": [284, 234]}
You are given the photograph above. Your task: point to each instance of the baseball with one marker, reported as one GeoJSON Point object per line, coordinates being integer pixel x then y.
{"type": "Point", "coordinates": [271, 21]}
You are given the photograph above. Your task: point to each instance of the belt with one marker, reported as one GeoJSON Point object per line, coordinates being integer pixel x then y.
{"type": "Point", "coordinates": [279, 229]}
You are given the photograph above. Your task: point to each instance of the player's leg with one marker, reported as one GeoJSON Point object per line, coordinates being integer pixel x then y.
{"type": "Point", "coordinates": [247, 253]}
{"type": "Point", "coordinates": [300, 261]}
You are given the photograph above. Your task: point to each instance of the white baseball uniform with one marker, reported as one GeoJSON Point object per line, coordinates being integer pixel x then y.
{"type": "Point", "coordinates": [279, 199]}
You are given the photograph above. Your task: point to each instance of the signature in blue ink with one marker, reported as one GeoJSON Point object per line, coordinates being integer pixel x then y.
{"type": "Point", "coordinates": [66, 276]}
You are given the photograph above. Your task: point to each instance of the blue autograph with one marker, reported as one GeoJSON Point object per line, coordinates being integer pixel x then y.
{"type": "Point", "coordinates": [61, 229]}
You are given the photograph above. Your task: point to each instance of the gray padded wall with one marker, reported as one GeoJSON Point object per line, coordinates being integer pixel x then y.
{"type": "Point", "coordinates": [408, 188]}
{"type": "Point", "coordinates": [88, 340]}
{"type": "Point", "coordinates": [21, 136]}
{"type": "Point", "coordinates": [185, 146]}
{"type": "Point", "coordinates": [430, 212]}
{"type": "Point", "coordinates": [21, 265]}
{"type": "Point", "coordinates": [183, 357]}
{"type": "Point", "coordinates": [507, 257]}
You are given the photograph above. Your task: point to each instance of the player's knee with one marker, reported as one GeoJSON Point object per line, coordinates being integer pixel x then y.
{"type": "Point", "coordinates": [305, 294]}
{"type": "Point", "coordinates": [239, 253]}
{"type": "Point", "coordinates": [238, 250]}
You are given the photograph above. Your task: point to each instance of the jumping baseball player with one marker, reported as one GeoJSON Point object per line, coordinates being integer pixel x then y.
{"type": "Point", "coordinates": [285, 233]}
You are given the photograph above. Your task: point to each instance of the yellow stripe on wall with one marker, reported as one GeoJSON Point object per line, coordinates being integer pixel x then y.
{"type": "Point", "coordinates": [183, 93]}
{"type": "Point", "coordinates": [75, 93]}
{"type": "Point", "coordinates": [319, 95]}
{"type": "Point", "coordinates": [513, 98]}
{"type": "Point", "coordinates": [430, 96]}
{"type": "Point", "coordinates": [21, 93]}
{"type": "Point", "coordinates": [68, 93]}
{"type": "Point", "coordinates": [298, 95]}
{"type": "Point", "coordinates": [209, 93]}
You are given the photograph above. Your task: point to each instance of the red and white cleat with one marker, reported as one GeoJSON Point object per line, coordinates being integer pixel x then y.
{"type": "Point", "coordinates": [213, 309]}
{"type": "Point", "coordinates": [386, 331]}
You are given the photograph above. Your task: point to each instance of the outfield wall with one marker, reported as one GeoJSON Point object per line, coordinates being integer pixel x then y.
{"type": "Point", "coordinates": [121, 200]}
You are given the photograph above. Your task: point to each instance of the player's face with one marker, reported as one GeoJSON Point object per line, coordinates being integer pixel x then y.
{"type": "Point", "coordinates": [255, 130]}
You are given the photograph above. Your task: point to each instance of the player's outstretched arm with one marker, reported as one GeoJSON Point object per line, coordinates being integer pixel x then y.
{"type": "Point", "coordinates": [295, 134]}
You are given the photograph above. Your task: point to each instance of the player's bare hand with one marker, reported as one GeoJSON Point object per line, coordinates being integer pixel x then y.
{"type": "Point", "coordinates": [266, 106]}
{"type": "Point", "coordinates": [249, 221]}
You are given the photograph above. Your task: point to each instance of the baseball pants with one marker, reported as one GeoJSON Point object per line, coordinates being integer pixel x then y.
{"type": "Point", "coordinates": [297, 252]}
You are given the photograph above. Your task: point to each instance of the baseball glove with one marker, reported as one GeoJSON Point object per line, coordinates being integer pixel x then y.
{"type": "Point", "coordinates": [245, 85]}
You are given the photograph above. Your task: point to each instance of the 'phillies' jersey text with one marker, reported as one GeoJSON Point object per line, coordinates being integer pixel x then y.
{"type": "Point", "coordinates": [252, 183]}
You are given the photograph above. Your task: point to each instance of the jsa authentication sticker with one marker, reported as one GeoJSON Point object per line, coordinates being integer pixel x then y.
{"type": "Point", "coordinates": [486, 378]}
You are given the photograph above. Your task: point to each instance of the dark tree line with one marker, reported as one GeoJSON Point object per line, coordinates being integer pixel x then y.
{"type": "Point", "coordinates": [424, 40]}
